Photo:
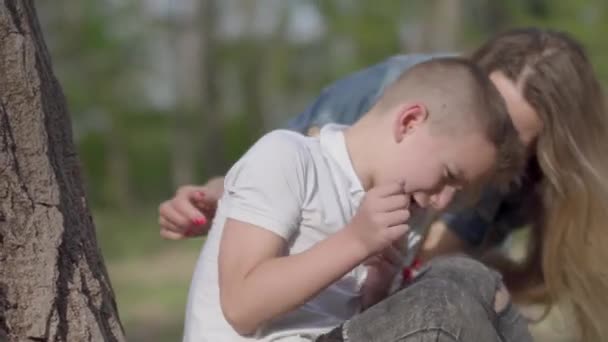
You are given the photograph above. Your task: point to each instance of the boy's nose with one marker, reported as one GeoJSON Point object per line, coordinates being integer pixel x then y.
{"type": "Point", "coordinates": [442, 199]}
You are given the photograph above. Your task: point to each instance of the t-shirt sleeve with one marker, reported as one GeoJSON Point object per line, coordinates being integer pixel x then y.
{"type": "Point", "coordinates": [266, 187]}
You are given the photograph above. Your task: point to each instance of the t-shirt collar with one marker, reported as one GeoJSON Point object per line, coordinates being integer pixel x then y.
{"type": "Point", "coordinates": [332, 141]}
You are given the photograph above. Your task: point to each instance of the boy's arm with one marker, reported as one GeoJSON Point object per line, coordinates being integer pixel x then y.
{"type": "Point", "coordinates": [258, 284]}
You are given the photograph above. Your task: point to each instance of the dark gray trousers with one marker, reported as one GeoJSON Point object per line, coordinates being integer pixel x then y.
{"type": "Point", "coordinates": [451, 300]}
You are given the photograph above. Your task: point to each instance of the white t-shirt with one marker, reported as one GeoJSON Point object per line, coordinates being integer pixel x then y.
{"type": "Point", "coordinates": [303, 189]}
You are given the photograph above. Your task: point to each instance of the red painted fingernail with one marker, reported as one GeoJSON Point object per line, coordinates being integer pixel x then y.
{"type": "Point", "coordinates": [200, 194]}
{"type": "Point", "coordinates": [200, 221]}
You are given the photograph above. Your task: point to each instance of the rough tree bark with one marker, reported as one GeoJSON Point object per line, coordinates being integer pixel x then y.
{"type": "Point", "coordinates": [53, 282]}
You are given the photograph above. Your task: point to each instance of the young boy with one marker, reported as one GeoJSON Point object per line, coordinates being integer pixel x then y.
{"type": "Point", "coordinates": [300, 217]}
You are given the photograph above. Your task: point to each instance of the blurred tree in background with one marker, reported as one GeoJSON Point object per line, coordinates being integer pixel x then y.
{"type": "Point", "coordinates": [169, 92]}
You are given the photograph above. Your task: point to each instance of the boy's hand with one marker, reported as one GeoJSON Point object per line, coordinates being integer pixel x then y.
{"type": "Point", "coordinates": [381, 271]}
{"type": "Point", "coordinates": [190, 212]}
{"type": "Point", "coordinates": [380, 219]}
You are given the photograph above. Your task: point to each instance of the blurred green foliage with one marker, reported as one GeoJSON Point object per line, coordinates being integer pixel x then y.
{"type": "Point", "coordinates": [107, 57]}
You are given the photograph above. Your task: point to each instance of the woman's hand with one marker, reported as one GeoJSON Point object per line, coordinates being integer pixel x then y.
{"type": "Point", "coordinates": [190, 212]}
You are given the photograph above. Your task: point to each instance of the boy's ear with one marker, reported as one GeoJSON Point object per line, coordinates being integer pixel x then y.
{"type": "Point", "coordinates": [409, 117]}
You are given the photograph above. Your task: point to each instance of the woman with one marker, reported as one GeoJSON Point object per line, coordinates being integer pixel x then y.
{"type": "Point", "coordinates": [556, 104]}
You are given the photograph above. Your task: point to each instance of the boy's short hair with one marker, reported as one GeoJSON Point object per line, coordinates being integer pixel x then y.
{"type": "Point", "coordinates": [460, 98]}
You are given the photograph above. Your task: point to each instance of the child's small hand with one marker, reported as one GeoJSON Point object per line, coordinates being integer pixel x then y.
{"type": "Point", "coordinates": [380, 219]}
{"type": "Point", "coordinates": [381, 272]}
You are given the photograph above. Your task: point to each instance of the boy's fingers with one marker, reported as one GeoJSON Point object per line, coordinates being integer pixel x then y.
{"type": "Point", "coordinates": [394, 202]}
{"type": "Point", "coordinates": [390, 189]}
{"type": "Point", "coordinates": [372, 260]}
{"type": "Point", "coordinates": [392, 255]}
{"type": "Point", "coordinates": [386, 267]}
{"type": "Point", "coordinates": [401, 245]}
{"type": "Point", "coordinates": [396, 217]}
{"type": "Point", "coordinates": [396, 232]}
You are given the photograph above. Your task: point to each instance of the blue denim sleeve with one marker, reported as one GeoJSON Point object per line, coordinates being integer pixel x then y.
{"type": "Point", "coordinates": [468, 225]}
{"type": "Point", "coordinates": [495, 216]}
{"type": "Point", "coordinates": [346, 100]}
{"type": "Point", "coordinates": [472, 224]}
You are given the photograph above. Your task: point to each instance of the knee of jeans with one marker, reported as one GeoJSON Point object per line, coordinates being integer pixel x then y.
{"type": "Point", "coordinates": [444, 306]}
{"type": "Point", "coordinates": [502, 298]}
{"type": "Point", "coordinates": [472, 276]}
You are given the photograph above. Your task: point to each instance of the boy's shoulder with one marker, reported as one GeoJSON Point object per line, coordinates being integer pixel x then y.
{"type": "Point", "coordinates": [275, 168]}
{"type": "Point", "coordinates": [284, 143]}
{"type": "Point", "coordinates": [285, 136]}
{"type": "Point", "coordinates": [280, 150]}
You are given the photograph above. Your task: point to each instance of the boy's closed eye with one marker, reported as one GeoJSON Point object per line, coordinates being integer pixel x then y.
{"type": "Point", "coordinates": [453, 178]}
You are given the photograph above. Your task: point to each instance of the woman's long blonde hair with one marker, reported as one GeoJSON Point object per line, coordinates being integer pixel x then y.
{"type": "Point", "coordinates": [567, 261]}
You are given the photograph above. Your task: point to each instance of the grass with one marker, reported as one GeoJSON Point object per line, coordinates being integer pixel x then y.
{"type": "Point", "coordinates": [151, 277]}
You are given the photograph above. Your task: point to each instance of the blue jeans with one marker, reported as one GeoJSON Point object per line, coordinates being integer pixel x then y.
{"type": "Point", "coordinates": [451, 300]}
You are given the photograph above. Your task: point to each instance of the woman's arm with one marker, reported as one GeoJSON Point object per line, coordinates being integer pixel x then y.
{"type": "Point", "coordinates": [465, 229]}
{"type": "Point", "coordinates": [441, 240]}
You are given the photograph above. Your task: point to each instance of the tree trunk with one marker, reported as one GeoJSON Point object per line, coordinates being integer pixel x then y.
{"type": "Point", "coordinates": [53, 282]}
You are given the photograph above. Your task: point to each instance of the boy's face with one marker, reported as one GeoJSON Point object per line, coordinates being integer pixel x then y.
{"type": "Point", "coordinates": [434, 163]}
